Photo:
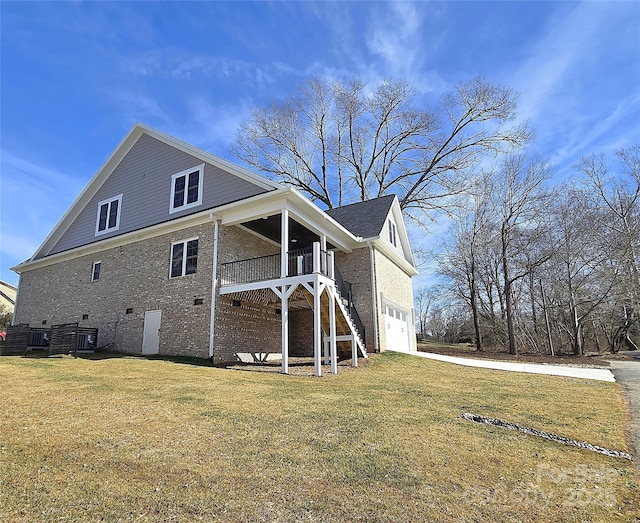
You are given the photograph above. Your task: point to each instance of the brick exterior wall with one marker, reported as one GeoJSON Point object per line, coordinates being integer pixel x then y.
{"type": "Point", "coordinates": [252, 327]}
{"type": "Point", "coordinates": [300, 332]}
{"type": "Point", "coordinates": [133, 276]}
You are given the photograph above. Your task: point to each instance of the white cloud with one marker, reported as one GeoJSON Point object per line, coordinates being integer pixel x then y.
{"type": "Point", "coordinates": [564, 92]}
{"type": "Point", "coordinates": [395, 36]}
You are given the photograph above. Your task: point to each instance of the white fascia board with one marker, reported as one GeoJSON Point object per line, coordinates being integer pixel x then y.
{"type": "Point", "coordinates": [233, 213]}
{"type": "Point", "coordinates": [253, 208]}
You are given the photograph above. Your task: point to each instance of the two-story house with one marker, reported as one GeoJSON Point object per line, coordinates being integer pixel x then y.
{"type": "Point", "coordinates": [171, 250]}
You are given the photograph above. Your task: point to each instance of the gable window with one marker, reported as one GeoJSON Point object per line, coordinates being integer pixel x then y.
{"type": "Point", "coordinates": [95, 271]}
{"type": "Point", "coordinates": [184, 258]}
{"type": "Point", "coordinates": [186, 189]}
{"type": "Point", "coordinates": [392, 234]}
{"type": "Point", "coordinates": [108, 217]}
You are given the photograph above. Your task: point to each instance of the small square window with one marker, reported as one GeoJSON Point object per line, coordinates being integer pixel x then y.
{"type": "Point", "coordinates": [95, 271]}
{"type": "Point", "coordinates": [108, 217]}
{"type": "Point", "coordinates": [198, 301]}
{"type": "Point", "coordinates": [129, 311]}
{"type": "Point", "coordinates": [85, 316]}
{"type": "Point", "coordinates": [186, 189]}
{"type": "Point", "coordinates": [44, 322]}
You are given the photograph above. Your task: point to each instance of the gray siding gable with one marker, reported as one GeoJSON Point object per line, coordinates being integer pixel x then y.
{"type": "Point", "coordinates": [143, 177]}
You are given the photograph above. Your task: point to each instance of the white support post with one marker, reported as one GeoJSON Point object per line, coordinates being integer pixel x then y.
{"type": "Point", "coordinates": [354, 351]}
{"type": "Point", "coordinates": [284, 311]}
{"type": "Point", "coordinates": [284, 243]}
{"type": "Point", "coordinates": [323, 259]}
{"type": "Point", "coordinates": [317, 327]}
{"type": "Point", "coordinates": [316, 257]}
{"type": "Point", "coordinates": [331, 265]}
{"type": "Point", "coordinates": [325, 350]}
{"type": "Point", "coordinates": [332, 330]}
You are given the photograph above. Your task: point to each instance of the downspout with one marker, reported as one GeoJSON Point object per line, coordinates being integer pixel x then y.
{"type": "Point", "coordinates": [374, 292]}
{"type": "Point", "coordinates": [214, 285]}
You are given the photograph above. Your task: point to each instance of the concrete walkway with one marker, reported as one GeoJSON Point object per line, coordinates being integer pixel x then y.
{"type": "Point", "coordinates": [553, 370]}
{"type": "Point", "coordinates": [627, 373]}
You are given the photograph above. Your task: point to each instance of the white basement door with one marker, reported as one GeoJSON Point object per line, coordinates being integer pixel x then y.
{"type": "Point", "coordinates": [397, 329]}
{"type": "Point", "coordinates": [151, 332]}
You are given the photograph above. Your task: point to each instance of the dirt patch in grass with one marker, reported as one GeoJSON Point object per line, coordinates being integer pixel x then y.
{"type": "Point", "coordinates": [130, 439]}
{"type": "Point", "coordinates": [464, 350]}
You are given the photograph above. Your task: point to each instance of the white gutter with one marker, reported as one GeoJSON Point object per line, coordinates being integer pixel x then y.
{"type": "Point", "coordinates": [214, 285]}
{"type": "Point", "coordinates": [374, 292]}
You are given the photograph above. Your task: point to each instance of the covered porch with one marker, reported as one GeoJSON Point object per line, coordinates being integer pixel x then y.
{"type": "Point", "coordinates": [303, 275]}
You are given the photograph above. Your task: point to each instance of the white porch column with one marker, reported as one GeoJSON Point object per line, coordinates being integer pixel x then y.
{"type": "Point", "coordinates": [323, 259]}
{"type": "Point", "coordinates": [317, 326]}
{"type": "Point", "coordinates": [332, 331]}
{"type": "Point", "coordinates": [284, 242]}
{"type": "Point", "coordinates": [331, 265]}
{"type": "Point", "coordinates": [285, 330]}
{"type": "Point", "coordinates": [354, 351]}
{"type": "Point", "coordinates": [316, 258]}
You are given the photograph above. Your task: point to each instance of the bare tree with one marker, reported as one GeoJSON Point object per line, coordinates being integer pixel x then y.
{"type": "Point", "coordinates": [522, 200]}
{"type": "Point", "coordinates": [617, 200]}
{"type": "Point", "coordinates": [462, 259]}
{"type": "Point", "coordinates": [425, 300]}
{"type": "Point", "coordinates": [340, 142]}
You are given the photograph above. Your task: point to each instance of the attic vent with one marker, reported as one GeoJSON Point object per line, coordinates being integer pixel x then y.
{"type": "Point", "coordinates": [198, 301]}
{"type": "Point", "coordinates": [236, 303]}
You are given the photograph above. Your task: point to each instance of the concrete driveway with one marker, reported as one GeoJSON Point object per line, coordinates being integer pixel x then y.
{"type": "Point", "coordinates": [627, 374]}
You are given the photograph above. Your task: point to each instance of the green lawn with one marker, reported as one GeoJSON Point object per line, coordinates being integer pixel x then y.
{"type": "Point", "coordinates": [129, 439]}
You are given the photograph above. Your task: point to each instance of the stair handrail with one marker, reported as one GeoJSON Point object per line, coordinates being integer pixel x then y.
{"type": "Point", "coordinates": [345, 290]}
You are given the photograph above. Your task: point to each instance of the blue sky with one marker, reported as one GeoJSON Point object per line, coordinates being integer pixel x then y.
{"type": "Point", "coordinates": [76, 76]}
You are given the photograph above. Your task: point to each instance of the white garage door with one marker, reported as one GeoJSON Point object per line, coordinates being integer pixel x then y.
{"type": "Point", "coordinates": [397, 329]}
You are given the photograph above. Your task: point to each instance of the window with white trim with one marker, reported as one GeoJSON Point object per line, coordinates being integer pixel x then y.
{"type": "Point", "coordinates": [186, 189]}
{"type": "Point", "coordinates": [95, 271]}
{"type": "Point", "coordinates": [392, 234]}
{"type": "Point", "coordinates": [184, 258]}
{"type": "Point", "coordinates": [108, 216]}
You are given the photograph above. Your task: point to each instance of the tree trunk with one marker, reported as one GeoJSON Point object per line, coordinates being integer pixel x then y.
{"type": "Point", "coordinates": [534, 316]}
{"type": "Point", "coordinates": [546, 319]}
{"type": "Point", "coordinates": [474, 307]}
{"type": "Point", "coordinates": [507, 297]}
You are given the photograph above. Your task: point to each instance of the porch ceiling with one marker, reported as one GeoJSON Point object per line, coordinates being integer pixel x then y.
{"type": "Point", "coordinates": [299, 236]}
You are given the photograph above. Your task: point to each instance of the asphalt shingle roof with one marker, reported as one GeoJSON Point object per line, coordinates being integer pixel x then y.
{"type": "Point", "coordinates": [365, 219]}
